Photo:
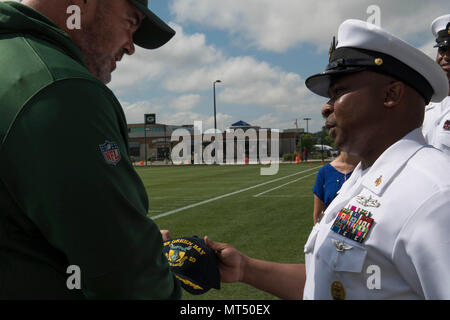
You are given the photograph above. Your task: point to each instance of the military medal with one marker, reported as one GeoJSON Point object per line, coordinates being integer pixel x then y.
{"type": "Point", "coordinates": [367, 202]}
{"type": "Point", "coordinates": [447, 125]}
{"type": "Point", "coordinates": [353, 223]}
{"type": "Point", "coordinates": [341, 246]}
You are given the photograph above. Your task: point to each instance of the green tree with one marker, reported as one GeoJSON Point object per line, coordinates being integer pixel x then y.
{"type": "Point", "coordinates": [323, 136]}
{"type": "Point", "coordinates": [306, 141]}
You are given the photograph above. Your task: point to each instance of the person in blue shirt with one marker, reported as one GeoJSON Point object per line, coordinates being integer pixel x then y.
{"type": "Point", "coordinates": [330, 179]}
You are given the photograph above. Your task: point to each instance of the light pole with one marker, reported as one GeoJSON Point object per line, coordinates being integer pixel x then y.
{"type": "Point", "coordinates": [214, 90]}
{"type": "Point", "coordinates": [165, 142]}
{"type": "Point", "coordinates": [307, 119]}
{"type": "Point", "coordinates": [145, 142]}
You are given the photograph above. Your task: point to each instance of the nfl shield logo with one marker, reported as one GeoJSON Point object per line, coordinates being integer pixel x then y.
{"type": "Point", "coordinates": [110, 151]}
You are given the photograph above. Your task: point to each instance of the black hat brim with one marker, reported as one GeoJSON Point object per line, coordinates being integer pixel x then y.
{"type": "Point", "coordinates": [320, 83]}
{"type": "Point", "coordinates": [442, 43]}
{"type": "Point", "coordinates": [153, 32]}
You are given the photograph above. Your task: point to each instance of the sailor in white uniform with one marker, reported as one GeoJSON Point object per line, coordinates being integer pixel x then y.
{"type": "Point", "coordinates": [387, 233]}
{"type": "Point", "coordinates": [385, 236]}
{"type": "Point", "coordinates": [436, 126]}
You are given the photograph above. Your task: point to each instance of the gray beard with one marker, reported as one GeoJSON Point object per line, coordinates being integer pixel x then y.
{"type": "Point", "coordinates": [100, 67]}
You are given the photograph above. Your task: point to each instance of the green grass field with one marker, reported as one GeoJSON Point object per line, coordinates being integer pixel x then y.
{"type": "Point", "coordinates": [273, 226]}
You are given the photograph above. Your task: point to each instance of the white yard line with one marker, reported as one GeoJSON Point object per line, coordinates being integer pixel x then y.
{"type": "Point", "coordinates": [279, 196]}
{"type": "Point", "coordinates": [227, 195]}
{"type": "Point", "coordinates": [267, 191]}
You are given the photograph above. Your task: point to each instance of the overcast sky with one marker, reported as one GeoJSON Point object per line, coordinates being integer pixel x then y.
{"type": "Point", "coordinates": [262, 50]}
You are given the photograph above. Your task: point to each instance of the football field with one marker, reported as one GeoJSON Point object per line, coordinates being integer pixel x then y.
{"type": "Point", "coordinates": [265, 217]}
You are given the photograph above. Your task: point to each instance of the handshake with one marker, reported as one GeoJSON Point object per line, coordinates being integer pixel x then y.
{"type": "Point", "coordinates": [193, 263]}
{"type": "Point", "coordinates": [201, 264]}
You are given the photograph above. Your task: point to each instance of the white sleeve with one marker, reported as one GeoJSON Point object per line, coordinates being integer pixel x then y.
{"type": "Point", "coordinates": [422, 248]}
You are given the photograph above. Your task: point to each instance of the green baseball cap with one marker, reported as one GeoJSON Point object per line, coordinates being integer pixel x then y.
{"type": "Point", "coordinates": [153, 32]}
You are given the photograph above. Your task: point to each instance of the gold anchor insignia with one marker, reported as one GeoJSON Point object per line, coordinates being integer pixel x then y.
{"type": "Point", "coordinates": [378, 181]}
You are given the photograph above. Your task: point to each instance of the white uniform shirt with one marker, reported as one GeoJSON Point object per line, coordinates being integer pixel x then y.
{"type": "Point", "coordinates": [406, 254]}
{"type": "Point", "coordinates": [434, 126]}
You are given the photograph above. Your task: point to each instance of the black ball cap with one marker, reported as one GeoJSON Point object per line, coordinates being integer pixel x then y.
{"type": "Point", "coordinates": [194, 264]}
{"type": "Point", "coordinates": [153, 32]}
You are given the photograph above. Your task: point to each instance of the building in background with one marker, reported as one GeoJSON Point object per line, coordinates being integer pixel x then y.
{"type": "Point", "coordinates": [289, 139]}
{"type": "Point", "coordinates": [157, 137]}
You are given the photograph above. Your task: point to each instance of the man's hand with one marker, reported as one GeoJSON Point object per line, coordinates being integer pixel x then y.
{"type": "Point", "coordinates": [232, 262]}
{"type": "Point", "coordinates": [285, 281]}
{"type": "Point", "coordinates": [165, 235]}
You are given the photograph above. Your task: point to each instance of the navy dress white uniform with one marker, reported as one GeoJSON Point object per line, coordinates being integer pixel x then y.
{"type": "Point", "coordinates": [436, 126]}
{"type": "Point", "coordinates": [386, 234]}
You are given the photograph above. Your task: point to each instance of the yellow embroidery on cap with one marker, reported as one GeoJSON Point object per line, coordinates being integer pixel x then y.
{"type": "Point", "coordinates": [189, 283]}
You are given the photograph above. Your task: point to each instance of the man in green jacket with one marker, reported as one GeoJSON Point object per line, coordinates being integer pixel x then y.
{"type": "Point", "coordinates": [71, 203]}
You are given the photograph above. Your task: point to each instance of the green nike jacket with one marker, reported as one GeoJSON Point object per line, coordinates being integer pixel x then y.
{"type": "Point", "coordinates": [73, 211]}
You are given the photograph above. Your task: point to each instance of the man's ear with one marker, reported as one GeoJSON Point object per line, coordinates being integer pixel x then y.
{"type": "Point", "coordinates": [394, 93]}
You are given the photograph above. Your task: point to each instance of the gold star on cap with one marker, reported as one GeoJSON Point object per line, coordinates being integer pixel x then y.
{"type": "Point", "coordinates": [378, 181]}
